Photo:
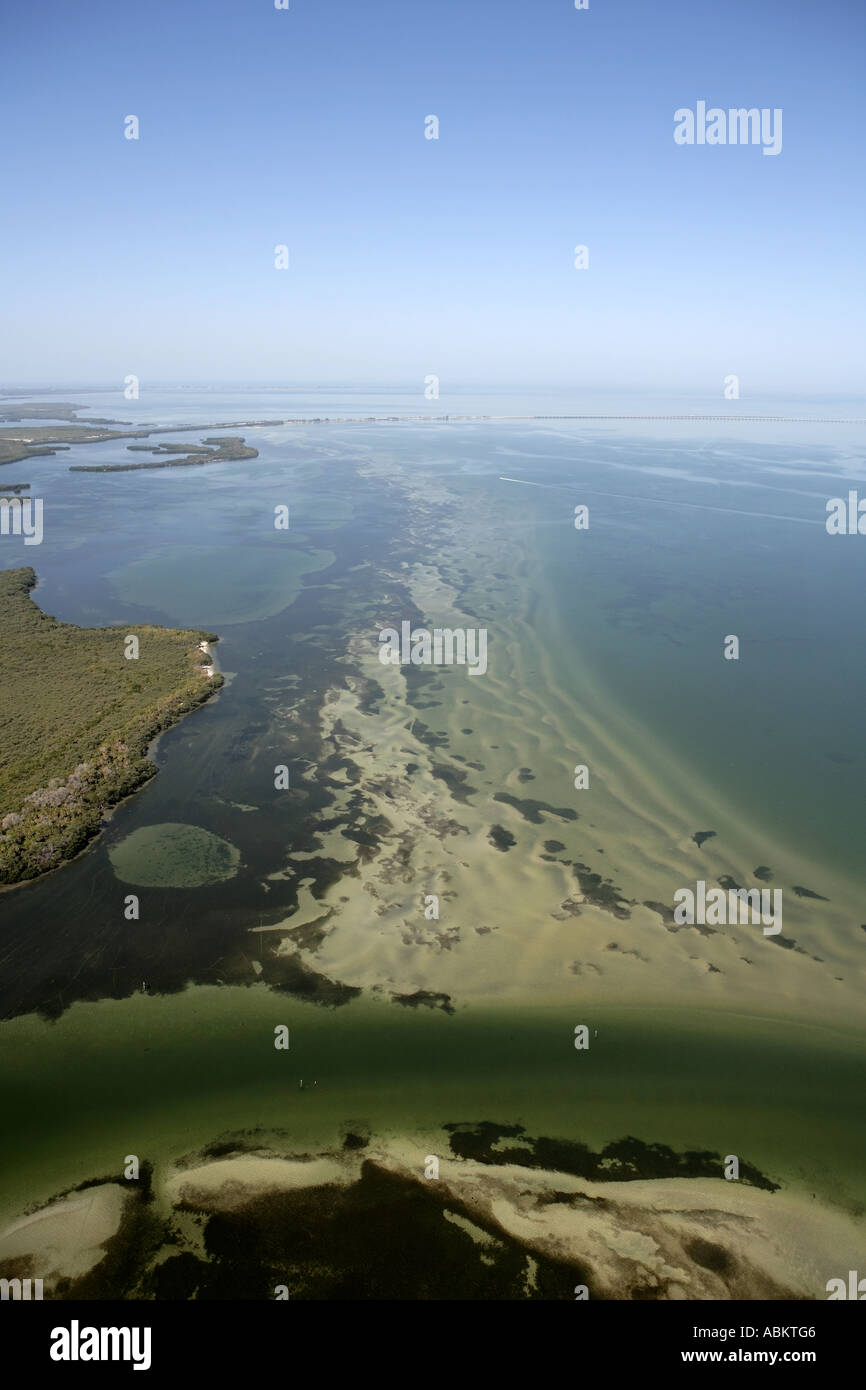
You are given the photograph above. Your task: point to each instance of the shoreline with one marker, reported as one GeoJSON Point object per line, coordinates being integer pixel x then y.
{"type": "Point", "coordinates": [666, 1238]}
{"type": "Point", "coordinates": [110, 771]}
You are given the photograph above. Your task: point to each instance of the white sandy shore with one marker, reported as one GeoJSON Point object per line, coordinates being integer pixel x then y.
{"type": "Point", "coordinates": [671, 1238]}
{"type": "Point", "coordinates": [681, 1238]}
{"type": "Point", "coordinates": [661, 1233]}
{"type": "Point", "coordinates": [67, 1238]}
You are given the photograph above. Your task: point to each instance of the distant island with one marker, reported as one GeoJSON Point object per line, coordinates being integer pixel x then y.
{"type": "Point", "coordinates": [19, 442]}
{"type": "Point", "coordinates": [79, 714]}
{"type": "Point", "coordinates": [224, 450]}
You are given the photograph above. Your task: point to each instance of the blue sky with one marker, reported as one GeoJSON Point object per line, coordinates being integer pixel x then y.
{"type": "Point", "coordinates": [411, 256]}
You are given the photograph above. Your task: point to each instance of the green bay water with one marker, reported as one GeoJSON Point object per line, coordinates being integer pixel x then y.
{"type": "Point", "coordinates": [689, 540]}
{"type": "Point", "coordinates": [161, 1077]}
{"type": "Point", "coordinates": [712, 530]}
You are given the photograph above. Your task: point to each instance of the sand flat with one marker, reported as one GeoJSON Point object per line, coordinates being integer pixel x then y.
{"type": "Point", "coordinates": [67, 1238]}
{"type": "Point", "coordinates": [516, 923]}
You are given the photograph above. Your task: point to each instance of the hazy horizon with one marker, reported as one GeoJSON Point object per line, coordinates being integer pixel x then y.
{"type": "Point", "coordinates": [30, 388]}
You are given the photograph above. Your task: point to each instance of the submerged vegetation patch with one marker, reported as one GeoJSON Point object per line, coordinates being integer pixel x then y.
{"type": "Point", "coordinates": [532, 810]}
{"type": "Point", "coordinates": [172, 855]}
{"type": "Point", "coordinates": [624, 1160]}
{"type": "Point", "coordinates": [500, 838]}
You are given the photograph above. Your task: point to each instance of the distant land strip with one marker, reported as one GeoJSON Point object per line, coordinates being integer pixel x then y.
{"type": "Point", "coordinates": [17, 443]}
